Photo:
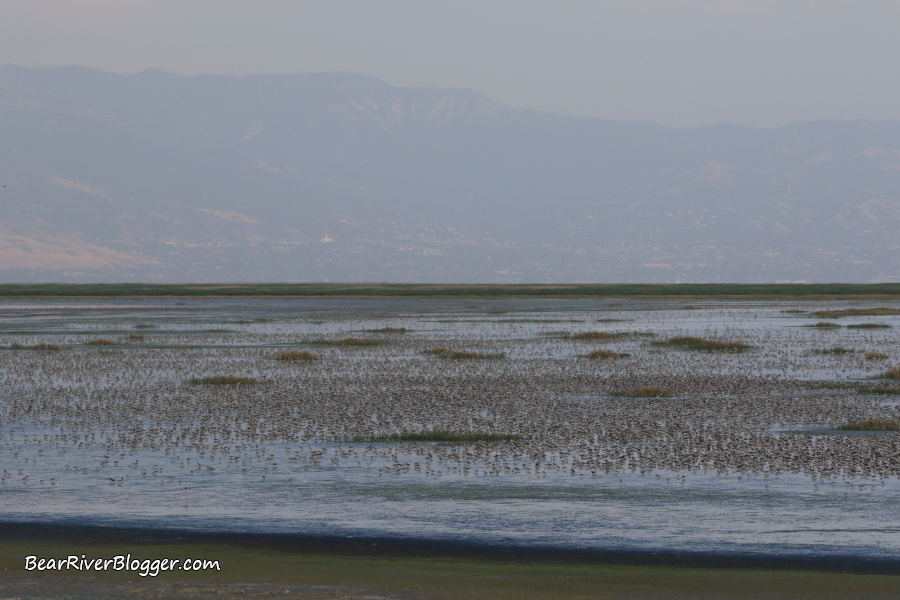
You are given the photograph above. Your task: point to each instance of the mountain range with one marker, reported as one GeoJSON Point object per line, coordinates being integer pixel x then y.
{"type": "Point", "coordinates": [344, 177]}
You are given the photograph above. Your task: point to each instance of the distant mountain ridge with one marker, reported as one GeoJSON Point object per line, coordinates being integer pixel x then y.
{"type": "Point", "coordinates": [343, 177]}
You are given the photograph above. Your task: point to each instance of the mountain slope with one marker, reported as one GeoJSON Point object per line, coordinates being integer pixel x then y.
{"type": "Point", "coordinates": [340, 176]}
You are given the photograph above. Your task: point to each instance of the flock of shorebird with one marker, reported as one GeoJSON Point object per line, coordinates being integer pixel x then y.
{"type": "Point", "coordinates": [723, 416]}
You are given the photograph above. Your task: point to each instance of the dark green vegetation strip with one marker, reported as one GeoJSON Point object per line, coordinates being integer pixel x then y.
{"type": "Point", "coordinates": [440, 436]}
{"type": "Point", "coordinates": [873, 425]}
{"type": "Point", "coordinates": [223, 380]}
{"type": "Point", "coordinates": [695, 343]}
{"type": "Point", "coordinates": [117, 290]}
{"type": "Point", "coordinates": [251, 572]}
{"type": "Point", "coordinates": [857, 312]}
{"type": "Point", "coordinates": [888, 391]}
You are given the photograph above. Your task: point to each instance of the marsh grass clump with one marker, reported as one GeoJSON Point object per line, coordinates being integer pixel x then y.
{"type": "Point", "coordinates": [793, 311]}
{"type": "Point", "coordinates": [391, 330]}
{"type": "Point", "coordinates": [888, 391]}
{"type": "Point", "coordinates": [856, 312]}
{"type": "Point", "coordinates": [605, 354]}
{"type": "Point", "coordinates": [222, 380]}
{"type": "Point", "coordinates": [892, 373]}
{"type": "Point", "coordinates": [832, 350]}
{"type": "Point", "coordinates": [688, 307]}
{"type": "Point", "coordinates": [440, 436]}
{"type": "Point", "coordinates": [49, 347]}
{"type": "Point", "coordinates": [825, 325]}
{"type": "Point", "coordinates": [872, 425]}
{"type": "Point", "coordinates": [291, 355]}
{"type": "Point", "coordinates": [869, 326]}
{"type": "Point", "coordinates": [346, 342]}
{"type": "Point", "coordinates": [645, 392]}
{"type": "Point", "coordinates": [102, 342]}
{"type": "Point", "coordinates": [872, 355]}
{"type": "Point", "coordinates": [696, 343]}
{"type": "Point", "coordinates": [555, 334]}
{"type": "Point", "coordinates": [137, 337]}
{"type": "Point", "coordinates": [593, 335]}
{"type": "Point", "coordinates": [460, 355]}
{"type": "Point", "coordinates": [610, 320]}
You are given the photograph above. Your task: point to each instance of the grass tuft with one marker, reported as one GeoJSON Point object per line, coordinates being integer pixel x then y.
{"type": "Point", "coordinates": [695, 343]}
{"type": "Point", "coordinates": [102, 342]}
{"type": "Point", "coordinates": [459, 355]}
{"type": "Point", "coordinates": [793, 311]}
{"type": "Point", "coordinates": [51, 347]}
{"type": "Point", "coordinates": [872, 425]}
{"type": "Point", "coordinates": [390, 330]}
{"type": "Point", "coordinates": [856, 312]}
{"type": "Point", "coordinates": [645, 392]}
{"type": "Point", "coordinates": [872, 355]}
{"type": "Point", "coordinates": [833, 350]}
{"type": "Point", "coordinates": [593, 335]}
{"type": "Point", "coordinates": [137, 337]}
{"type": "Point", "coordinates": [869, 326]}
{"type": "Point", "coordinates": [440, 436]}
{"type": "Point", "coordinates": [605, 354]}
{"type": "Point", "coordinates": [825, 325]}
{"type": "Point", "coordinates": [296, 355]}
{"type": "Point", "coordinates": [892, 373]}
{"type": "Point", "coordinates": [346, 342]}
{"type": "Point", "coordinates": [888, 391]}
{"type": "Point", "coordinates": [223, 380]}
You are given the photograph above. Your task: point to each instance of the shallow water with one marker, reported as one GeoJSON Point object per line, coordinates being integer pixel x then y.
{"type": "Point", "coordinates": [315, 489]}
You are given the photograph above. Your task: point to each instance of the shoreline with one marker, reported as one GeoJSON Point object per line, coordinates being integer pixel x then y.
{"type": "Point", "coordinates": [396, 547]}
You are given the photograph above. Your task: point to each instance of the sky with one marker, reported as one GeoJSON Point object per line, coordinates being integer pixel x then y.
{"type": "Point", "coordinates": [675, 62]}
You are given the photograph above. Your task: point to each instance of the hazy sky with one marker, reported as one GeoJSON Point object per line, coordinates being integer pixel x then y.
{"type": "Point", "coordinates": [678, 62]}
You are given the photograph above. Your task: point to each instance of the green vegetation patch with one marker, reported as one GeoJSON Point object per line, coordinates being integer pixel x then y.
{"type": "Point", "coordinates": [462, 355]}
{"type": "Point", "coordinates": [362, 290]}
{"type": "Point", "coordinates": [441, 436]}
{"type": "Point", "coordinates": [888, 391]}
{"type": "Point", "coordinates": [346, 342]}
{"type": "Point", "coordinates": [391, 330]}
{"type": "Point", "coordinates": [856, 312]}
{"type": "Point", "coordinates": [223, 380]}
{"type": "Point", "coordinates": [593, 336]}
{"type": "Point", "coordinates": [825, 325]}
{"type": "Point", "coordinates": [872, 355]}
{"type": "Point", "coordinates": [102, 342]}
{"type": "Point", "coordinates": [869, 326]}
{"type": "Point", "coordinates": [293, 355]}
{"type": "Point", "coordinates": [872, 425]}
{"type": "Point", "coordinates": [645, 392]}
{"type": "Point", "coordinates": [696, 343]}
{"type": "Point", "coordinates": [793, 311]}
{"type": "Point", "coordinates": [606, 354]}
{"type": "Point", "coordinates": [832, 350]}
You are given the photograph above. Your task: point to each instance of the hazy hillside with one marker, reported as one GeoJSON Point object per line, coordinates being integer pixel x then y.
{"type": "Point", "coordinates": [343, 177]}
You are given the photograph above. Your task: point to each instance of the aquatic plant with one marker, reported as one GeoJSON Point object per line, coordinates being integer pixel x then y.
{"type": "Point", "coordinates": [605, 354]}
{"type": "Point", "coordinates": [793, 311]}
{"type": "Point", "coordinates": [888, 391]}
{"type": "Point", "coordinates": [869, 326]}
{"type": "Point", "coordinates": [296, 355]}
{"type": "Point", "coordinates": [825, 325]}
{"type": "Point", "coordinates": [223, 380]}
{"type": "Point", "coordinates": [645, 392]}
{"type": "Point", "coordinates": [856, 312]}
{"type": "Point", "coordinates": [390, 330]}
{"type": "Point", "coordinates": [872, 425]}
{"type": "Point", "coordinates": [833, 350]}
{"type": "Point", "coordinates": [892, 373]}
{"type": "Point", "coordinates": [137, 337]}
{"type": "Point", "coordinates": [440, 436]}
{"type": "Point", "coordinates": [460, 355]}
{"type": "Point", "coordinates": [696, 343]}
{"type": "Point", "coordinates": [102, 342]}
{"type": "Point", "coordinates": [593, 335]}
{"type": "Point", "coordinates": [872, 355]}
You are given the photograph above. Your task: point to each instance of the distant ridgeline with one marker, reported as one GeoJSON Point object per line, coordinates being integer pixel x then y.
{"type": "Point", "coordinates": [343, 177]}
{"type": "Point", "coordinates": [337, 290]}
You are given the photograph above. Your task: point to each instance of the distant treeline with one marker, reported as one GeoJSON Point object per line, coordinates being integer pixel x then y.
{"type": "Point", "coordinates": [364, 290]}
